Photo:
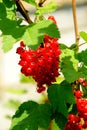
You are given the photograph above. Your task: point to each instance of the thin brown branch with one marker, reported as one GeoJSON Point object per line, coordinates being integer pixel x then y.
{"type": "Point", "coordinates": [23, 11]}
{"type": "Point", "coordinates": [77, 36]}
{"type": "Point", "coordinates": [41, 2]}
{"type": "Point", "coordinates": [82, 44]}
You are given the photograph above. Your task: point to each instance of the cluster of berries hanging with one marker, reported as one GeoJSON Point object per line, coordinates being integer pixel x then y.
{"type": "Point", "coordinates": [79, 121]}
{"type": "Point", "coordinates": [43, 63]}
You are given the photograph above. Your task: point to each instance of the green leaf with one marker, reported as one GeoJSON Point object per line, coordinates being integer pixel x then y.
{"type": "Point", "coordinates": [63, 46]}
{"type": "Point", "coordinates": [10, 9]}
{"type": "Point", "coordinates": [34, 33]}
{"type": "Point", "coordinates": [60, 121]}
{"type": "Point", "coordinates": [44, 115]}
{"type": "Point", "coordinates": [54, 126]}
{"type": "Point", "coordinates": [2, 9]}
{"type": "Point", "coordinates": [69, 65]}
{"type": "Point", "coordinates": [24, 79]}
{"type": "Point", "coordinates": [32, 2]}
{"type": "Point", "coordinates": [83, 72]}
{"type": "Point", "coordinates": [83, 35]}
{"type": "Point", "coordinates": [8, 43]}
{"type": "Point", "coordinates": [38, 115]}
{"type": "Point", "coordinates": [59, 95]}
{"type": "Point", "coordinates": [8, 3]}
{"type": "Point", "coordinates": [82, 56]}
{"type": "Point", "coordinates": [50, 7]}
{"type": "Point", "coordinates": [11, 33]}
{"type": "Point", "coordinates": [21, 114]}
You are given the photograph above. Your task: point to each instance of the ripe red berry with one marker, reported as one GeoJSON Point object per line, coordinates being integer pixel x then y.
{"type": "Point", "coordinates": [81, 80]}
{"type": "Point", "coordinates": [78, 94]}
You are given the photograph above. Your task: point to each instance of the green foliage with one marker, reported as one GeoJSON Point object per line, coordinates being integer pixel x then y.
{"type": "Point", "coordinates": [24, 79]}
{"type": "Point", "coordinates": [10, 11]}
{"type": "Point", "coordinates": [2, 9]}
{"type": "Point", "coordinates": [83, 35]}
{"type": "Point", "coordinates": [59, 95]}
{"type": "Point", "coordinates": [50, 7]}
{"type": "Point", "coordinates": [69, 65]}
{"type": "Point", "coordinates": [32, 2]}
{"type": "Point", "coordinates": [31, 116]}
{"type": "Point", "coordinates": [60, 121]}
{"type": "Point", "coordinates": [32, 35]}
{"type": "Point", "coordinates": [82, 56]}
{"type": "Point", "coordinates": [54, 126]}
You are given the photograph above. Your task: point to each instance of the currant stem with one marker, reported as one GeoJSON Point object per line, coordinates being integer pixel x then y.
{"type": "Point", "coordinates": [23, 11]}
{"type": "Point", "coordinates": [82, 44]}
{"type": "Point", "coordinates": [77, 36]}
{"type": "Point", "coordinates": [41, 2]}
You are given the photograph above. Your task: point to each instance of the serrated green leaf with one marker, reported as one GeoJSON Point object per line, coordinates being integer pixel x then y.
{"type": "Point", "coordinates": [82, 56]}
{"type": "Point", "coordinates": [60, 121]}
{"type": "Point", "coordinates": [38, 115]}
{"type": "Point", "coordinates": [68, 70]}
{"type": "Point", "coordinates": [66, 53]}
{"type": "Point", "coordinates": [21, 114]}
{"type": "Point", "coordinates": [50, 7]}
{"type": "Point", "coordinates": [11, 33]}
{"type": "Point", "coordinates": [32, 2]}
{"type": "Point", "coordinates": [69, 65]}
{"type": "Point", "coordinates": [33, 35]}
{"type": "Point", "coordinates": [59, 101]}
{"type": "Point", "coordinates": [83, 35]}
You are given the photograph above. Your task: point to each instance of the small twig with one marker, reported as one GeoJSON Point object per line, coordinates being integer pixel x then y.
{"type": "Point", "coordinates": [82, 44]}
{"type": "Point", "coordinates": [23, 11]}
{"type": "Point", "coordinates": [41, 2]}
{"type": "Point", "coordinates": [75, 22]}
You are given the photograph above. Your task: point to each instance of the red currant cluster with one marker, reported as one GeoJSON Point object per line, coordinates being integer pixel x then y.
{"type": "Point", "coordinates": [43, 63]}
{"type": "Point", "coordinates": [79, 121]}
{"type": "Point", "coordinates": [73, 123]}
{"type": "Point", "coordinates": [82, 81]}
